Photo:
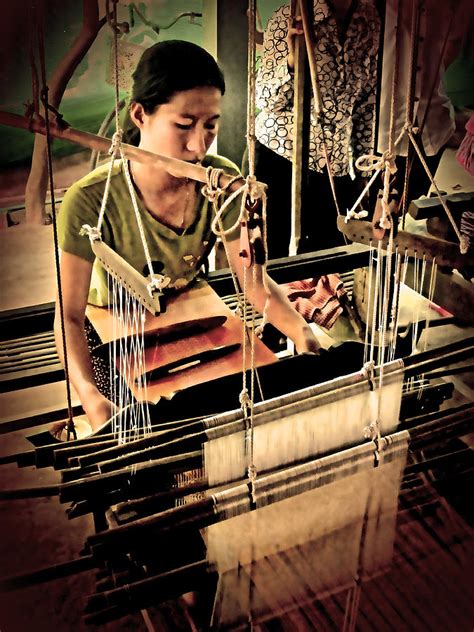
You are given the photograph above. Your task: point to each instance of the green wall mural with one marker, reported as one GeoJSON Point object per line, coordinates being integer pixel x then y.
{"type": "Point", "coordinates": [90, 93]}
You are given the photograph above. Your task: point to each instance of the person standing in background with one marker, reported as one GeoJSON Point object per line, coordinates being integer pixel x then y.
{"type": "Point", "coordinates": [346, 33]}
{"type": "Point", "coordinates": [421, 39]}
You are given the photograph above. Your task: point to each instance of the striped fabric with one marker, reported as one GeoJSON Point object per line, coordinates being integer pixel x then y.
{"type": "Point", "coordinates": [319, 299]}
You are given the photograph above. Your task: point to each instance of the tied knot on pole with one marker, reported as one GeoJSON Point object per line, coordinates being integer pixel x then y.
{"type": "Point", "coordinates": [370, 432]}
{"type": "Point", "coordinates": [211, 189]}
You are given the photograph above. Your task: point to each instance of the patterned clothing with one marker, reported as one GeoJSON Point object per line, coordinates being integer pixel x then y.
{"type": "Point", "coordinates": [318, 300]}
{"type": "Point", "coordinates": [347, 78]}
{"type": "Point", "coordinates": [178, 256]}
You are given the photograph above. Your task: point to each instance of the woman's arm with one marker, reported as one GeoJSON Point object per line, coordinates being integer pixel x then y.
{"type": "Point", "coordinates": [75, 279]}
{"type": "Point", "coordinates": [280, 313]}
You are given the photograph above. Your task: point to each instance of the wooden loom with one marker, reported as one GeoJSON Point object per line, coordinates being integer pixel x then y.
{"type": "Point", "coordinates": [139, 526]}
{"type": "Point", "coordinates": [94, 479]}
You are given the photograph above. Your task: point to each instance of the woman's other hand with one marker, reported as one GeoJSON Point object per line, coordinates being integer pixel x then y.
{"type": "Point", "coordinates": [98, 409]}
{"type": "Point", "coordinates": [295, 28]}
{"type": "Point", "coordinates": [306, 341]}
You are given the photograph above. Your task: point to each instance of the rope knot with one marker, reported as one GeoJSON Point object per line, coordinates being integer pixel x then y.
{"type": "Point", "coordinates": [211, 189]}
{"type": "Point", "coordinates": [92, 232]}
{"type": "Point", "coordinates": [252, 472]}
{"type": "Point", "coordinates": [353, 214]}
{"type": "Point", "coordinates": [157, 284]}
{"type": "Point", "coordinates": [368, 371]}
{"type": "Point", "coordinates": [368, 162]}
{"type": "Point", "coordinates": [370, 432]}
{"type": "Point", "coordinates": [410, 128]}
{"type": "Point", "coordinates": [464, 243]}
{"type": "Point", "coordinates": [244, 399]}
{"type": "Point", "coordinates": [388, 161]}
{"type": "Point", "coordinates": [116, 143]}
{"type": "Point", "coordinates": [256, 190]}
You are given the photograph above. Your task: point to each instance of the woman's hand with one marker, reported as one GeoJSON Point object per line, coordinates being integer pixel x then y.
{"type": "Point", "coordinates": [306, 342]}
{"type": "Point", "coordinates": [294, 29]}
{"type": "Point", "coordinates": [98, 409]}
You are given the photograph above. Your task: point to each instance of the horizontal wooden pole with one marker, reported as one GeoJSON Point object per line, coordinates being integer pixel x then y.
{"type": "Point", "coordinates": [175, 167]}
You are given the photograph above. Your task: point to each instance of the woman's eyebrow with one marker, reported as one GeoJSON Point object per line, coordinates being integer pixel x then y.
{"type": "Point", "coordinates": [193, 117]}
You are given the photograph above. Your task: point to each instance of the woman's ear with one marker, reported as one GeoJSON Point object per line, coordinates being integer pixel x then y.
{"type": "Point", "coordinates": [137, 114]}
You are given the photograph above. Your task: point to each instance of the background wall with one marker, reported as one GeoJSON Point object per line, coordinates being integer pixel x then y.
{"type": "Point", "coordinates": [89, 95]}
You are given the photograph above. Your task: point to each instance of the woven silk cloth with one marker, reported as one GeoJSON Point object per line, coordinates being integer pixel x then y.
{"type": "Point", "coordinates": [319, 299]}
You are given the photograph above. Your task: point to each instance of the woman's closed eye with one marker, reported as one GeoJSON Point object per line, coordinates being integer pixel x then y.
{"type": "Point", "coordinates": [187, 126]}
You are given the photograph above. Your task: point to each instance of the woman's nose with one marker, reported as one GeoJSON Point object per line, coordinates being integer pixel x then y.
{"type": "Point", "coordinates": [196, 143]}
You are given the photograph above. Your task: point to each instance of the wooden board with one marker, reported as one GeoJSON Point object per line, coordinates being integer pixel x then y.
{"type": "Point", "coordinates": [27, 273]}
{"type": "Point", "coordinates": [199, 302]}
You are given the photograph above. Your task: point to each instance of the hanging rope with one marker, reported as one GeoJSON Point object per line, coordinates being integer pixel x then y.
{"type": "Point", "coordinates": [38, 12]}
{"type": "Point", "coordinates": [411, 130]}
{"type": "Point", "coordinates": [157, 282]}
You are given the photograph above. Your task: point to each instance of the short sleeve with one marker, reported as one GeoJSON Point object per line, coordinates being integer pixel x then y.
{"type": "Point", "coordinates": [78, 207]}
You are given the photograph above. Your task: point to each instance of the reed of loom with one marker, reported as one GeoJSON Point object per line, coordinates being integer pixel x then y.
{"type": "Point", "coordinates": [167, 444]}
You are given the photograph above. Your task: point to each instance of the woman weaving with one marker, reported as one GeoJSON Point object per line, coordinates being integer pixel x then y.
{"type": "Point", "coordinates": [174, 111]}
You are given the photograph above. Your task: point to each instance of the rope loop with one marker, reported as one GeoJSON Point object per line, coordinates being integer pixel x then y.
{"type": "Point", "coordinates": [213, 193]}
{"type": "Point", "coordinates": [211, 189]}
{"type": "Point", "coordinates": [370, 162]}
{"type": "Point", "coordinates": [93, 232]}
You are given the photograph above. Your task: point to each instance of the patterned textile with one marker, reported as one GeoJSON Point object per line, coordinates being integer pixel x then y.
{"type": "Point", "coordinates": [467, 227]}
{"type": "Point", "coordinates": [347, 78]}
{"type": "Point", "coordinates": [318, 300]}
{"type": "Point", "coordinates": [465, 153]}
{"type": "Point", "coordinates": [100, 366]}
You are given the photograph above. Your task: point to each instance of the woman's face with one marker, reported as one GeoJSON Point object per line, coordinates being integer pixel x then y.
{"type": "Point", "coordinates": [184, 127]}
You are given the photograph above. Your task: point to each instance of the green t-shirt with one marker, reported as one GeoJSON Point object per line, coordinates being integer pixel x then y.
{"type": "Point", "coordinates": [178, 256]}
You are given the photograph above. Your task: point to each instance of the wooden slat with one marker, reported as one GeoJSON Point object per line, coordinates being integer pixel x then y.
{"type": "Point", "coordinates": [200, 301]}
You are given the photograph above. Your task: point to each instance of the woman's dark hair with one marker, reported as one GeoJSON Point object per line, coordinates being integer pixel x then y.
{"type": "Point", "coordinates": [166, 68]}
